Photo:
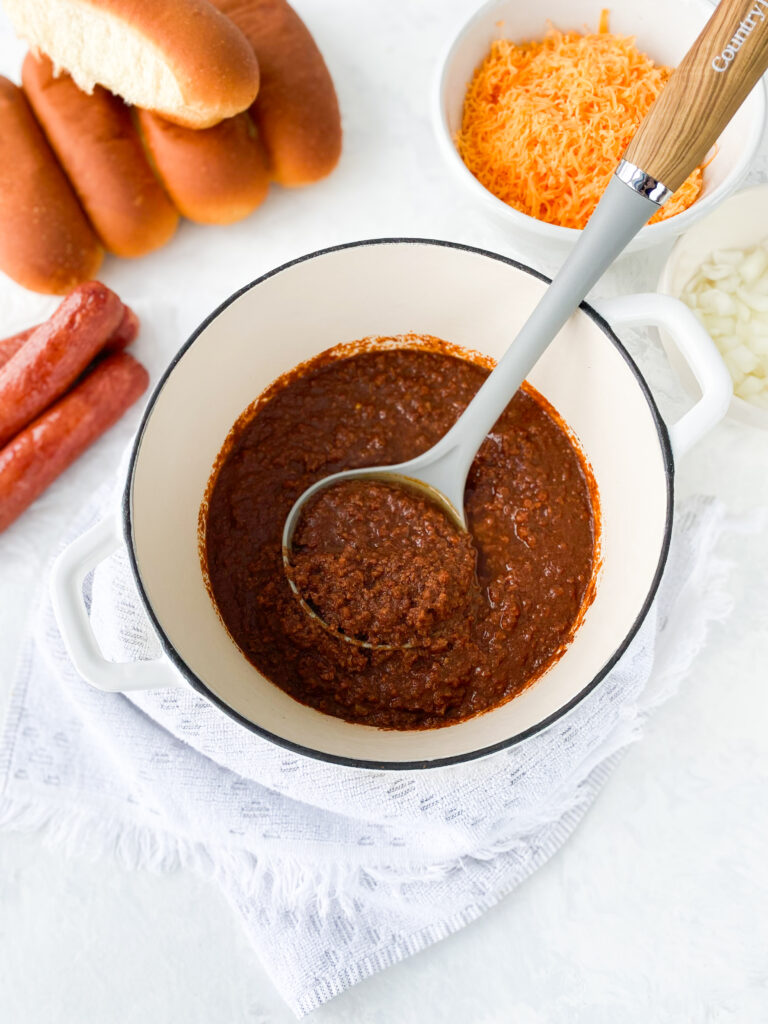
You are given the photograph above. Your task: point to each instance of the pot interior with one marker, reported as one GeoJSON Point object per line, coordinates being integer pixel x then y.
{"type": "Point", "coordinates": [466, 297]}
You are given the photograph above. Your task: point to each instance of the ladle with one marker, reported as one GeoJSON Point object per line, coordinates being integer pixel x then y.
{"type": "Point", "coordinates": [701, 96]}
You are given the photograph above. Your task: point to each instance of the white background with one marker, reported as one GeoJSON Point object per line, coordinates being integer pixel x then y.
{"type": "Point", "coordinates": [656, 910]}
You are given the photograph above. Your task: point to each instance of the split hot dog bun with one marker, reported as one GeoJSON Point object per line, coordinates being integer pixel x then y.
{"type": "Point", "coordinates": [100, 150]}
{"type": "Point", "coordinates": [46, 243]}
{"type": "Point", "coordinates": [180, 58]}
{"type": "Point", "coordinates": [297, 112]}
{"type": "Point", "coordinates": [215, 176]}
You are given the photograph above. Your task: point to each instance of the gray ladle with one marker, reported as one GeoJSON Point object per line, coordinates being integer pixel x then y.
{"type": "Point", "coordinates": [699, 99]}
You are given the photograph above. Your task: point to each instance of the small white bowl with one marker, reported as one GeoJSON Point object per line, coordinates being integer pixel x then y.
{"type": "Point", "coordinates": [739, 223]}
{"type": "Point", "coordinates": [665, 30]}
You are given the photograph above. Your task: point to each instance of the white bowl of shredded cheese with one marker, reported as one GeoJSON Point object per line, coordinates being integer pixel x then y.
{"type": "Point", "coordinates": [719, 268]}
{"type": "Point", "coordinates": [663, 31]}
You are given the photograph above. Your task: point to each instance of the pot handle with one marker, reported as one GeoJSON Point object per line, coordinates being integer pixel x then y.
{"type": "Point", "coordinates": [698, 349]}
{"type": "Point", "coordinates": [69, 572]}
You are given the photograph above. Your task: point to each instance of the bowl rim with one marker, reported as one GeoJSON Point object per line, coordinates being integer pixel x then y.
{"type": "Point", "coordinates": [199, 685]}
{"type": "Point", "coordinates": [662, 231]}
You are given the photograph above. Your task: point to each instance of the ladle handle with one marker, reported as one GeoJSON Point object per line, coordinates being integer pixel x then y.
{"type": "Point", "coordinates": [701, 96]}
{"type": "Point", "coordinates": [703, 93]}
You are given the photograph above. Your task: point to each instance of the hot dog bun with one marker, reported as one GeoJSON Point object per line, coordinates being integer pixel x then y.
{"type": "Point", "coordinates": [100, 150]}
{"type": "Point", "coordinates": [180, 58]}
{"type": "Point", "coordinates": [215, 176]}
{"type": "Point", "coordinates": [296, 112]}
{"type": "Point", "coordinates": [46, 243]}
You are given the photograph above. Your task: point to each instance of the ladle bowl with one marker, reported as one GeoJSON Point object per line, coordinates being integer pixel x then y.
{"type": "Point", "coordinates": [409, 475]}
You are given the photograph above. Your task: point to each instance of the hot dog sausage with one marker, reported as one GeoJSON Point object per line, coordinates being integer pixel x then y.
{"type": "Point", "coordinates": [123, 335]}
{"type": "Point", "coordinates": [10, 346]}
{"type": "Point", "coordinates": [56, 354]}
{"type": "Point", "coordinates": [36, 456]}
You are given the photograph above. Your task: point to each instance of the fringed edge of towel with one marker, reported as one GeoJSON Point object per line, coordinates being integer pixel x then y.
{"type": "Point", "coordinates": [357, 971]}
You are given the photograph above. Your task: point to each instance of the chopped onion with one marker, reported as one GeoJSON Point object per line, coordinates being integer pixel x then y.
{"type": "Point", "coordinates": [729, 294]}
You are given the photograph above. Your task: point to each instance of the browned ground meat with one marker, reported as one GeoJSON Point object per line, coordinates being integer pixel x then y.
{"type": "Point", "coordinates": [384, 565]}
{"type": "Point", "coordinates": [528, 506]}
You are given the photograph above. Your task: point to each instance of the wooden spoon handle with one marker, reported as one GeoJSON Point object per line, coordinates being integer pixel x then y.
{"type": "Point", "coordinates": [703, 93]}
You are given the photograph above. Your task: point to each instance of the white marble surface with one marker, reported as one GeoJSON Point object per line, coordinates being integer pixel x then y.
{"type": "Point", "coordinates": [657, 909]}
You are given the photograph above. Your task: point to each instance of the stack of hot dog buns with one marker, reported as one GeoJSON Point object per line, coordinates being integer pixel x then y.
{"type": "Point", "coordinates": [63, 383]}
{"type": "Point", "coordinates": [133, 113]}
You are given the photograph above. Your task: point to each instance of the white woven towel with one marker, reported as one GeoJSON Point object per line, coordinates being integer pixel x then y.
{"type": "Point", "coordinates": [336, 872]}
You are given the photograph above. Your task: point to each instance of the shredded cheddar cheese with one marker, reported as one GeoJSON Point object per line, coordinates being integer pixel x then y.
{"type": "Point", "coordinates": [545, 123]}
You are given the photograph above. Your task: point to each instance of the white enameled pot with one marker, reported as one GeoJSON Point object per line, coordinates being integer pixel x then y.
{"type": "Point", "coordinates": [664, 30]}
{"type": "Point", "coordinates": [389, 287]}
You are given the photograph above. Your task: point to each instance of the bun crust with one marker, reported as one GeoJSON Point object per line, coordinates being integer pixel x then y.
{"type": "Point", "coordinates": [297, 112]}
{"type": "Point", "coordinates": [180, 58]}
{"type": "Point", "coordinates": [46, 242]}
{"type": "Point", "coordinates": [98, 147]}
{"type": "Point", "coordinates": [215, 176]}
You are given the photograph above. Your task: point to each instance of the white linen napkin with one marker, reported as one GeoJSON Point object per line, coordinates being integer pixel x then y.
{"type": "Point", "coordinates": [336, 872]}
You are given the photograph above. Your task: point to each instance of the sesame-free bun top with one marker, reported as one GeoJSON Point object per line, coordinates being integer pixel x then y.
{"type": "Point", "coordinates": [182, 59]}
{"type": "Point", "coordinates": [46, 242]}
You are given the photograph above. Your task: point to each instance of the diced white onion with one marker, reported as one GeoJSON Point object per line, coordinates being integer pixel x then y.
{"type": "Point", "coordinates": [729, 294]}
{"type": "Point", "coordinates": [754, 266]}
{"type": "Point", "coordinates": [727, 257]}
